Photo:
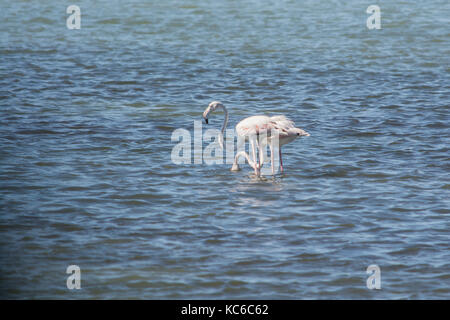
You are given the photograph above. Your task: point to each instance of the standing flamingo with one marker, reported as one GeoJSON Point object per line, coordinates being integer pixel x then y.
{"type": "Point", "coordinates": [255, 126]}
{"type": "Point", "coordinates": [286, 131]}
{"type": "Point", "coordinates": [251, 122]}
{"type": "Point", "coordinates": [286, 134]}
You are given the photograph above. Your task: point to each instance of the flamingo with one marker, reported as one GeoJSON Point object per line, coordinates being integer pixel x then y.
{"type": "Point", "coordinates": [286, 131]}
{"type": "Point", "coordinates": [285, 135]}
{"type": "Point", "coordinates": [259, 125]}
{"type": "Point", "coordinates": [213, 106]}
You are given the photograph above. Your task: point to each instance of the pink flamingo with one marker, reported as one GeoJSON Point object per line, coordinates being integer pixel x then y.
{"type": "Point", "coordinates": [255, 126]}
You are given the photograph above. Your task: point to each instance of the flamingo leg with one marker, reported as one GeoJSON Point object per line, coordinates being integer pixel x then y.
{"type": "Point", "coordinates": [281, 160]}
{"type": "Point", "coordinates": [263, 152]}
{"type": "Point", "coordinates": [271, 159]}
{"type": "Point", "coordinates": [260, 157]}
{"type": "Point", "coordinates": [263, 142]}
{"type": "Point", "coordinates": [259, 164]}
{"type": "Point", "coordinates": [252, 143]}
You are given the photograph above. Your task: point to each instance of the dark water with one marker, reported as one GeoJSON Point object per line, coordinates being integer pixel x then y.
{"type": "Point", "coordinates": [86, 176]}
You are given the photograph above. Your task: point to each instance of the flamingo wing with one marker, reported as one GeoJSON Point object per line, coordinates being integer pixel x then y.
{"type": "Point", "coordinates": [282, 125]}
{"type": "Point", "coordinates": [256, 125]}
{"type": "Point", "coordinates": [253, 126]}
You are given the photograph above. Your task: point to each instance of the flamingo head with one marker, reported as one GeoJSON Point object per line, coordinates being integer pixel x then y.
{"type": "Point", "coordinates": [235, 167]}
{"type": "Point", "coordinates": [292, 134]}
{"type": "Point", "coordinates": [299, 132]}
{"type": "Point", "coordinates": [211, 107]}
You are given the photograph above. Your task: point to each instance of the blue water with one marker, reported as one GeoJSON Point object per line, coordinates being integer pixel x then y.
{"type": "Point", "coordinates": [86, 176]}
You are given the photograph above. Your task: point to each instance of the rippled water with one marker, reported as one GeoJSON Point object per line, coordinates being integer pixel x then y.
{"type": "Point", "coordinates": [86, 176]}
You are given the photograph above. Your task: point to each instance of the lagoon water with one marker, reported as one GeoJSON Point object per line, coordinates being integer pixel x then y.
{"type": "Point", "coordinates": [86, 176]}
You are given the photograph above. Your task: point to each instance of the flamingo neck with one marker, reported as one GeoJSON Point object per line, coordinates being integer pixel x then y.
{"type": "Point", "coordinates": [244, 154]}
{"type": "Point", "coordinates": [225, 122]}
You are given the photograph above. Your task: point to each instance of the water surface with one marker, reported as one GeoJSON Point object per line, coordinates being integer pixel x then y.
{"type": "Point", "coordinates": [86, 176]}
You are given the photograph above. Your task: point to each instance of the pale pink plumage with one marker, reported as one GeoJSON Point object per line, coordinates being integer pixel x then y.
{"type": "Point", "coordinates": [260, 125]}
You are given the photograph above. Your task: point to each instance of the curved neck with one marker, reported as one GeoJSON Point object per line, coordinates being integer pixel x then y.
{"type": "Point", "coordinates": [245, 154]}
{"type": "Point", "coordinates": [225, 121]}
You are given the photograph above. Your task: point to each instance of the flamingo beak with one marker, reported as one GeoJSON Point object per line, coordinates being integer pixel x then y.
{"type": "Point", "coordinates": [206, 120]}
{"type": "Point", "coordinates": [304, 133]}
